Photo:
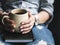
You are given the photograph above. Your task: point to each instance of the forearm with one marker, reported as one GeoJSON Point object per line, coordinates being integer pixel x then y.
{"type": "Point", "coordinates": [46, 15]}
{"type": "Point", "coordinates": [43, 16]}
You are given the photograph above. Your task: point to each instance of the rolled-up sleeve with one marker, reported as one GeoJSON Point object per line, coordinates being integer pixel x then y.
{"type": "Point", "coordinates": [47, 5]}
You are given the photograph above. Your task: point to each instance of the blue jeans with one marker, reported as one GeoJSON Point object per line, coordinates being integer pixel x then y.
{"type": "Point", "coordinates": [41, 36]}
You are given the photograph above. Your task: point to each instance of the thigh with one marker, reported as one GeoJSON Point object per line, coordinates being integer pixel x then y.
{"type": "Point", "coordinates": [42, 34]}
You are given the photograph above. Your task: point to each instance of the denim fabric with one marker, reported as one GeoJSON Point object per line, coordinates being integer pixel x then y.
{"type": "Point", "coordinates": [41, 35]}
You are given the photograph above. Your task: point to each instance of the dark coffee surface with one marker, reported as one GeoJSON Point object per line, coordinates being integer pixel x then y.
{"type": "Point", "coordinates": [21, 12]}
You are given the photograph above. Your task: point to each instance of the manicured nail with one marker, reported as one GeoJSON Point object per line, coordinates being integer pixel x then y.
{"type": "Point", "coordinates": [22, 23]}
{"type": "Point", "coordinates": [21, 27]}
{"type": "Point", "coordinates": [13, 30]}
{"type": "Point", "coordinates": [21, 30]}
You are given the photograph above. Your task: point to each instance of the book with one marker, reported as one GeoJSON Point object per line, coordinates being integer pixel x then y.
{"type": "Point", "coordinates": [18, 37]}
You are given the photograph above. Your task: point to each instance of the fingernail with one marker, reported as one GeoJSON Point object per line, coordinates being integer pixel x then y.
{"type": "Point", "coordinates": [22, 23]}
{"type": "Point", "coordinates": [21, 30]}
{"type": "Point", "coordinates": [21, 27]}
{"type": "Point", "coordinates": [23, 33]}
{"type": "Point", "coordinates": [14, 26]}
{"type": "Point", "coordinates": [12, 30]}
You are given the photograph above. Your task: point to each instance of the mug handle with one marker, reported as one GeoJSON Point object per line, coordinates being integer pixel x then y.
{"type": "Point", "coordinates": [4, 17]}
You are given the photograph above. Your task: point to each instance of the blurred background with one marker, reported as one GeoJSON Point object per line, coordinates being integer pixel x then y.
{"type": "Point", "coordinates": [55, 24]}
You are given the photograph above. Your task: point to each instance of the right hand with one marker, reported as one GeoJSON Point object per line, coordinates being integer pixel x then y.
{"type": "Point", "coordinates": [9, 25]}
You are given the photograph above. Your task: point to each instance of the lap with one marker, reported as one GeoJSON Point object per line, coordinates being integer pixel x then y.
{"type": "Point", "coordinates": [40, 35]}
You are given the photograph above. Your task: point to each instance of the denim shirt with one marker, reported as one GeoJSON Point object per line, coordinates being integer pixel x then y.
{"type": "Point", "coordinates": [31, 5]}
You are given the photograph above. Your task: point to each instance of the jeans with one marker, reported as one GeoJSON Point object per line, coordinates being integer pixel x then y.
{"type": "Point", "coordinates": [42, 36]}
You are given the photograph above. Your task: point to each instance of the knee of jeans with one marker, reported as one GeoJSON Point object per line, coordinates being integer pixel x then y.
{"type": "Point", "coordinates": [2, 43]}
{"type": "Point", "coordinates": [40, 42]}
{"type": "Point", "coordinates": [43, 42]}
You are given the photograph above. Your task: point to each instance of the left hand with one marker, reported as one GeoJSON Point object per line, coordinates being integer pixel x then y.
{"type": "Point", "coordinates": [27, 25]}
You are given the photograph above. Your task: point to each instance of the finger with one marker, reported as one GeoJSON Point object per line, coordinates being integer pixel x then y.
{"type": "Point", "coordinates": [29, 19]}
{"type": "Point", "coordinates": [26, 29]}
{"type": "Point", "coordinates": [26, 22]}
{"type": "Point", "coordinates": [10, 25]}
{"type": "Point", "coordinates": [25, 26]}
{"type": "Point", "coordinates": [8, 21]}
{"type": "Point", "coordinates": [29, 14]}
{"type": "Point", "coordinates": [1, 12]}
{"type": "Point", "coordinates": [5, 13]}
{"type": "Point", "coordinates": [25, 32]}
{"type": "Point", "coordinates": [8, 28]}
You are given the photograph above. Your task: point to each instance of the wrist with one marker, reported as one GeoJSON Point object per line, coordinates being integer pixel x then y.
{"type": "Point", "coordinates": [36, 20]}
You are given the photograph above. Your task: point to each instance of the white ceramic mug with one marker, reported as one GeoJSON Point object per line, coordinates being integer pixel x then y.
{"type": "Point", "coordinates": [18, 15]}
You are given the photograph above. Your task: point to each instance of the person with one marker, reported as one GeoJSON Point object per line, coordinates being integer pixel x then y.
{"type": "Point", "coordinates": [40, 14]}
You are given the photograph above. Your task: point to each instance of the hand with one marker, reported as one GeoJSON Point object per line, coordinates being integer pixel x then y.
{"type": "Point", "coordinates": [9, 25]}
{"type": "Point", "coordinates": [1, 12]}
{"type": "Point", "coordinates": [27, 25]}
{"type": "Point", "coordinates": [0, 19]}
